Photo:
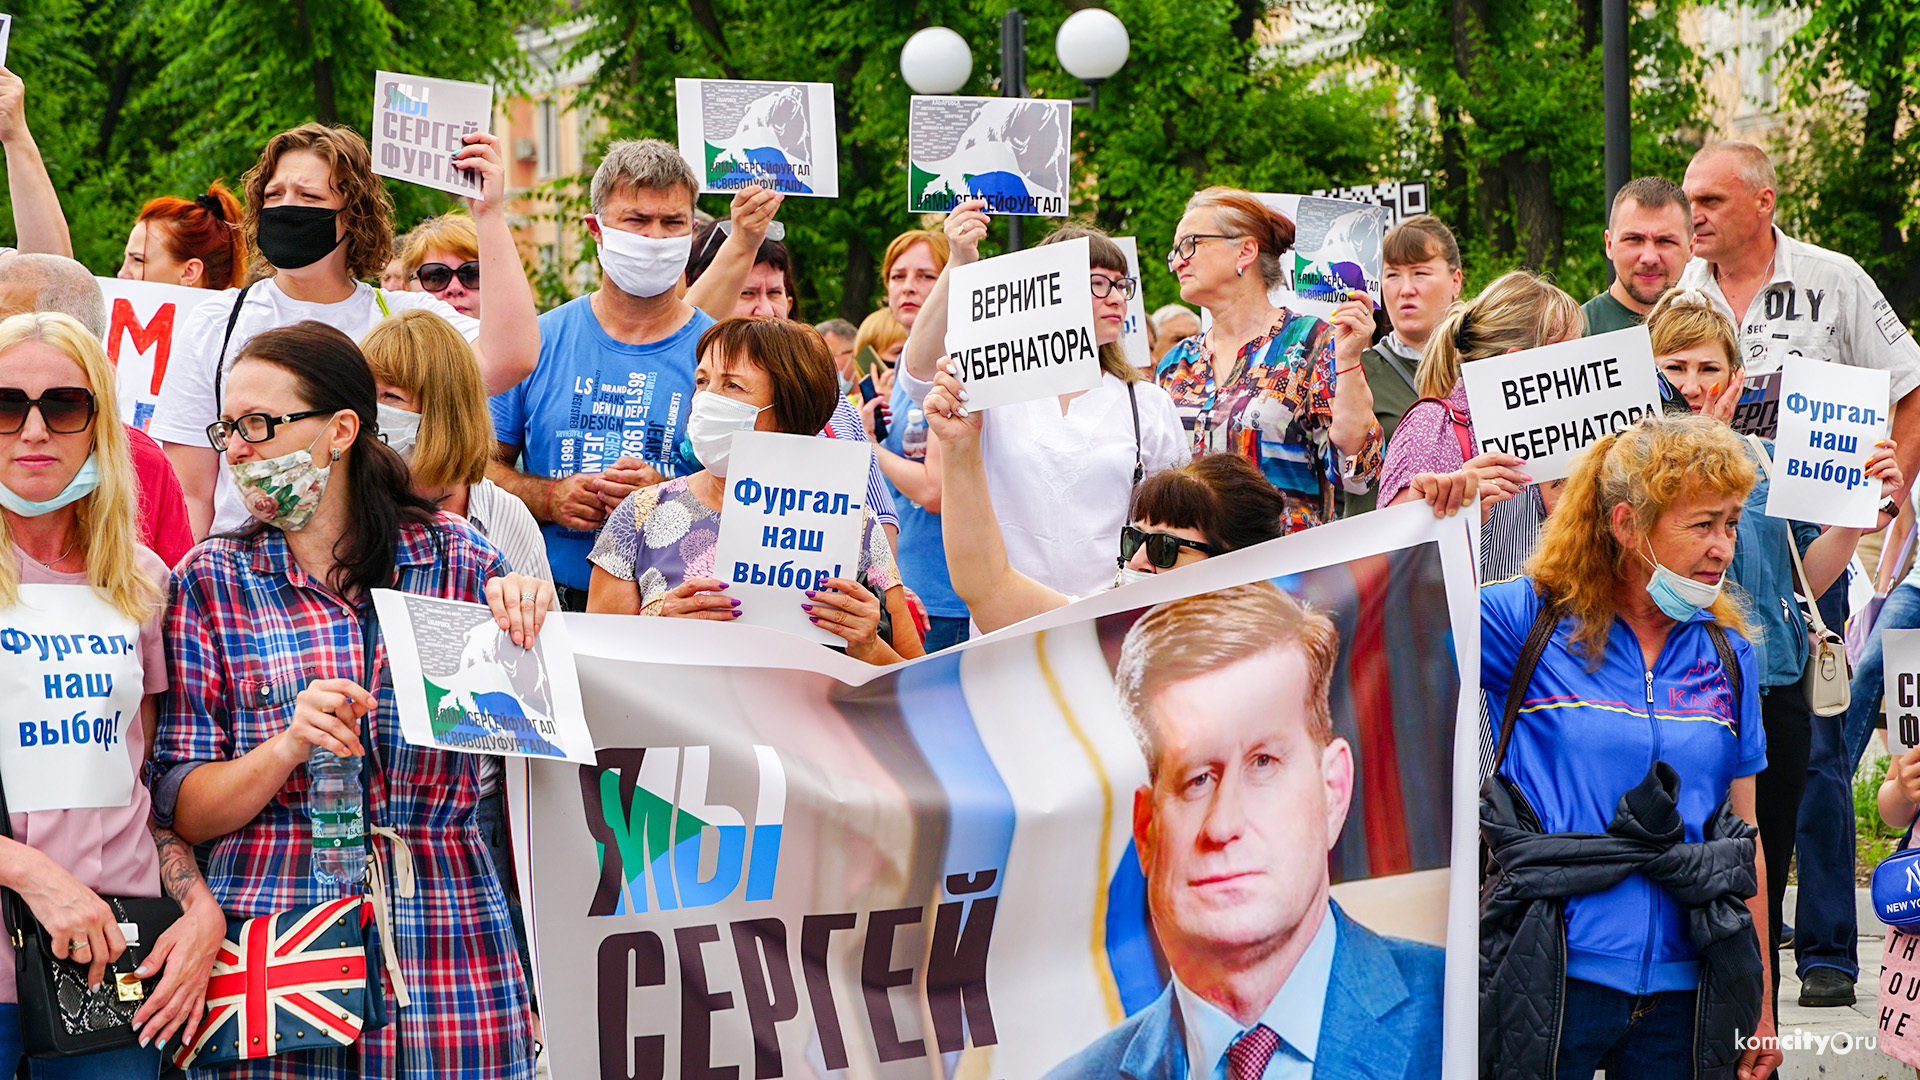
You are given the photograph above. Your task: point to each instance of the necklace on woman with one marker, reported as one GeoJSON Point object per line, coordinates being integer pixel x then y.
{"type": "Point", "coordinates": [62, 557]}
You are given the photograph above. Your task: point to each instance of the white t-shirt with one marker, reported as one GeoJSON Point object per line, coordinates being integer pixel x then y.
{"type": "Point", "coordinates": [1819, 304]}
{"type": "Point", "coordinates": [187, 403]}
{"type": "Point", "coordinates": [1061, 482]}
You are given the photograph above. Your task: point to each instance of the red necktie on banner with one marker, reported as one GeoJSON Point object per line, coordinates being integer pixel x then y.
{"type": "Point", "coordinates": [1247, 1057]}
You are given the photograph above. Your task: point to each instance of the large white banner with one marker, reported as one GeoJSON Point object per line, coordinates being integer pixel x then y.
{"type": "Point", "coordinates": [144, 320]}
{"type": "Point", "coordinates": [786, 863]}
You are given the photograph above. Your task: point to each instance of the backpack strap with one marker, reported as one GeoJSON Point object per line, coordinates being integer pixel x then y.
{"type": "Point", "coordinates": [1460, 425]}
{"type": "Point", "coordinates": [1537, 637]}
{"type": "Point", "coordinates": [226, 339]}
{"type": "Point", "coordinates": [380, 297]}
{"type": "Point", "coordinates": [1728, 662]}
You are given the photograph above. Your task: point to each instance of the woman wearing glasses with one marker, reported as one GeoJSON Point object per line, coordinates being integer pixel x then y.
{"type": "Point", "coordinates": [1061, 469]}
{"type": "Point", "coordinates": [1284, 390]}
{"type": "Point", "coordinates": [80, 818]}
{"type": "Point", "coordinates": [441, 257]}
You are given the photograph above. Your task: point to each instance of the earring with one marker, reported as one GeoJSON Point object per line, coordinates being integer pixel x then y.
{"type": "Point", "coordinates": [1239, 271]}
{"type": "Point", "coordinates": [336, 455]}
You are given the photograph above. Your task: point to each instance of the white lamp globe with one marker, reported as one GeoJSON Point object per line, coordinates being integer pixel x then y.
{"type": "Point", "coordinates": [1092, 44]}
{"type": "Point", "coordinates": [936, 61]}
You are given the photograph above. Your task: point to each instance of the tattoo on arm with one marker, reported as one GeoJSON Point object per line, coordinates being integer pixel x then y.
{"type": "Point", "coordinates": [179, 873]}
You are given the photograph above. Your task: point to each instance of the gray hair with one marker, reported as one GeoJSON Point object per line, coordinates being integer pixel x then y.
{"type": "Point", "coordinates": [36, 282]}
{"type": "Point", "coordinates": [1756, 168]}
{"type": "Point", "coordinates": [1162, 314]}
{"type": "Point", "coordinates": [839, 328]}
{"type": "Point", "coordinates": [641, 165]}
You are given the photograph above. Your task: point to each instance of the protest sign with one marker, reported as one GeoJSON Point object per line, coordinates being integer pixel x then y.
{"type": "Point", "coordinates": [1901, 651]}
{"type": "Point", "coordinates": [1401, 199]}
{"type": "Point", "coordinates": [1758, 410]}
{"type": "Point", "coordinates": [143, 319]}
{"type": "Point", "coordinates": [1020, 326]}
{"type": "Point", "coordinates": [1833, 415]}
{"type": "Point", "coordinates": [462, 684]}
{"type": "Point", "coordinates": [418, 125]}
{"type": "Point", "coordinates": [6, 32]}
{"type": "Point", "coordinates": [792, 518]}
{"type": "Point", "coordinates": [1012, 152]}
{"type": "Point", "coordinates": [789, 864]}
{"type": "Point", "coordinates": [1548, 404]}
{"type": "Point", "coordinates": [779, 135]}
{"type": "Point", "coordinates": [72, 678]}
{"type": "Point", "coordinates": [1336, 252]}
{"type": "Point", "coordinates": [1133, 336]}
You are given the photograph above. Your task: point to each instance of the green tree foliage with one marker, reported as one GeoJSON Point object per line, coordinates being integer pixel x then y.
{"type": "Point", "coordinates": [1510, 122]}
{"type": "Point", "coordinates": [1852, 182]}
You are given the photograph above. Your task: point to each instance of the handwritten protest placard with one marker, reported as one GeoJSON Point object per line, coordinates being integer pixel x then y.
{"type": "Point", "coordinates": [1901, 650]}
{"type": "Point", "coordinates": [1831, 416]}
{"type": "Point", "coordinates": [418, 124]}
{"type": "Point", "coordinates": [1133, 336]}
{"type": "Point", "coordinates": [1548, 404]}
{"type": "Point", "coordinates": [1012, 152]}
{"type": "Point", "coordinates": [1021, 326]}
{"type": "Point", "coordinates": [1336, 252]}
{"type": "Point", "coordinates": [793, 517]}
{"type": "Point", "coordinates": [143, 319]}
{"type": "Point", "coordinates": [779, 135]}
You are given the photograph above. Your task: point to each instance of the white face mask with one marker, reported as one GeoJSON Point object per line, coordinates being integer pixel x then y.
{"type": "Point", "coordinates": [711, 423]}
{"type": "Point", "coordinates": [400, 428]}
{"type": "Point", "coordinates": [1128, 575]}
{"type": "Point", "coordinates": [642, 265]}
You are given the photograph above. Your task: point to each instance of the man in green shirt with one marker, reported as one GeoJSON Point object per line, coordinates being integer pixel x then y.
{"type": "Point", "coordinates": [1649, 240]}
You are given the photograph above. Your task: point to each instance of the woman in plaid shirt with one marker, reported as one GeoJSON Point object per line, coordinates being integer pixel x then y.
{"type": "Point", "coordinates": [265, 644]}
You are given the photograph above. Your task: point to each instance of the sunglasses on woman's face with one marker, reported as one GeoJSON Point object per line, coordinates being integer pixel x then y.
{"type": "Point", "coordinates": [435, 277]}
{"type": "Point", "coordinates": [66, 410]}
{"type": "Point", "coordinates": [1163, 549]}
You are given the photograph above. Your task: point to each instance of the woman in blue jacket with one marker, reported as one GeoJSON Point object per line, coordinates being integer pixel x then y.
{"type": "Point", "coordinates": [1645, 667]}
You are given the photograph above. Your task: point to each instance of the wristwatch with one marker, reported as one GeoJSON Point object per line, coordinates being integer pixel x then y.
{"type": "Point", "coordinates": [1890, 506]}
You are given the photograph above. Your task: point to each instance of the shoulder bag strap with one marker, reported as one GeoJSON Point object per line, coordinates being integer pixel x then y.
{"type": "Point", "coordinates": [1460, 435]}
{"type": "Point", "coordinates": [1139, 458]}
{"type": "Point", "coordinates": [1812, 606]}
{"type": "Point", "coordinates": [1728, 662]}
{"type": "Point", "coordinates": [1537, 637]}
{"type": "Point", "coordinates": [226, 339]}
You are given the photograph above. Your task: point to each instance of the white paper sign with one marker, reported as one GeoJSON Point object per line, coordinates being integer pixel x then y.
{"type": "Point", "coordinates": [1901, 650]}
{"type": "Point", "coordinates": [144, 324]}
{"type": "Point", "coordinates": [779, 135]}
{"type": "Point", "coordinates": [1133, 338]}
{"type": "Point", "coordinates": [1021, 326]}
{"type": "Point", "coordinates": [1012, 152]}
{"type": "Point", "coordinates": [71, 675]}
{"type": "Point", "coordinates": [1758, 411]}
{"type": "Point", "coordinates": [1830, 417]}
{"type": "Point", "coordinates": [1336, 252]}
{"type": "Point", "coordinates": [1546, 405]}
{"type": "Point", "coordinates": [418, 124]}
{"type": "Point", "coordinates": [463, 685]}
{"type": "Point", "coordinates": [794, 516]}
{"type": "Point", "coordinates": [6, 32]}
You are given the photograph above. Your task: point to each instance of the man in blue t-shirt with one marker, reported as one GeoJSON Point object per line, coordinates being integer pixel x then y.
{"type": "Point", "coordinates": [604, 411]}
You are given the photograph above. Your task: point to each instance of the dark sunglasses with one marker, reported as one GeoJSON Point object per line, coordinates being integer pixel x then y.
{"type": "Point", "coordinates": [1163, 549]}
{"type": "Point", "coordinates": [776, 232]}
{"type": "Point", "coordinates": [435, 277]}
{"type": "Point", "coordinates": [65, 410]}
{"type": "Point", "coordinates": [255, 427]}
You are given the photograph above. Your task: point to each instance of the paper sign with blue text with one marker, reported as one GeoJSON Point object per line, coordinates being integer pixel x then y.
{"type": "Point", "coordinates": [1830, 417]}
{"type": "Point", "coordinates": [1133, 335]}
{"type": "Point", "coordinates": [1020, 326]}
{"type": "Point", "coordinates": [794, 516]}
{"type": "Point", "coordinates": [1901, 648]}
{"type": "Point", "coordinates": [418, 125]}
{"type": "Point", "coordinates": [144, 321]}
{"type": "Point", "coordinates": [779, 135]}
{"type": "Point", "coordinates": [73, 677]}
{"type": "Point", "coordinates": [1546, 405]}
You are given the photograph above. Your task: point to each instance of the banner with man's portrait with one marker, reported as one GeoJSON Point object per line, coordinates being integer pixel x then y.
{"type": "Point", "coordinates": [1105, 840]}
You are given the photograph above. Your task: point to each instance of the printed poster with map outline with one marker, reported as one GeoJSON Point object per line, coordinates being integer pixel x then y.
{"type": "Point", "coordinates": [779, 135]}
{"type": "Point", "coordinates": [1336, 251]}
{"type": "Point", "coordinates": [1012, 152]}
{"type": "Point", "coordinates": [463, 685]}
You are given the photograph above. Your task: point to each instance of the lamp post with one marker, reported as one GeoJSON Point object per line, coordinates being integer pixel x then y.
{"type": "Point", "coordinates": [1091, 46]}
{"type": "Point", "coordinates": [1616, 100]}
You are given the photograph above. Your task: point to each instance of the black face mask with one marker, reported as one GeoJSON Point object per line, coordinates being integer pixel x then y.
{"type": "Point", "coordinates": [295, 236]}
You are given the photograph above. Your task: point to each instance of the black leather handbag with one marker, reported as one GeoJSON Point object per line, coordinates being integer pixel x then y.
{"type": "Point", "coordinates": [60, 1015]}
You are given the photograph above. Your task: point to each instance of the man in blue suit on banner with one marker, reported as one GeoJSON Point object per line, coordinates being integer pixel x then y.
{"type": "Point", "coordinates": [1247, 791]}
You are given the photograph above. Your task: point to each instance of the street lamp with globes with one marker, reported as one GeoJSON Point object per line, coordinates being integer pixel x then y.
{"type": "Point", "coordinates": [1092, 44]}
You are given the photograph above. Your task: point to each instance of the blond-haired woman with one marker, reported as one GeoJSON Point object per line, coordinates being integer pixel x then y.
{"type": "Point", "coordinates": [1621, 826]}
{"type": "Point", "coordinates": [1286, 391]}
{"type": "Point", "coordinates": [322, 220]}
{"type": "Point", "coordinates": [1518, 311]}
{"type": "Point", "coordinates": [441, 257]}
{"type": "Point", "coordinates": [81, 824]}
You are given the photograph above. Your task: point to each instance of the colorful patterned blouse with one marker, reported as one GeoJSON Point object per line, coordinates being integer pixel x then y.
{"type": "Point", "coordinates": [1276, 412]}
{"type": "Point", "coordinates": [662, 535]}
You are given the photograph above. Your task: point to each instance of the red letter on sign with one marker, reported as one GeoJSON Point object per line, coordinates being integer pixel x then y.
{"type": "Point", "coordinates": [156, 334]}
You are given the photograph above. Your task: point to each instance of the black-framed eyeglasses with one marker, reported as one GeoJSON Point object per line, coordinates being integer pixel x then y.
{"type": "Point", "coordinates": [1163, 549]}
{"type": "Point", "coordinates": [776, 231]}
{"type": "Point", "coordinates": [255, 427]}
{"type": "Point", "coordinates": [1104, 287]}
{"type": "Point", "coordinates": [435, 277]}
{"type": "Point", "coordinates": [66, 410]}
{"type": "Point", "coordinates": [1184, 247]}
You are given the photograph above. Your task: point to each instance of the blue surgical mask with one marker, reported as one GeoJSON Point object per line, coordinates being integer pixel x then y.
{"type": "Point", "coordinates": [78, 488]}
{"type": "Point", "coordinates": [1681, 598]}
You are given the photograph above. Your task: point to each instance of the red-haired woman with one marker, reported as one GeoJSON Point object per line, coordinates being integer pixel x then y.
{"type": "Point", "coordinates": [197, 242]}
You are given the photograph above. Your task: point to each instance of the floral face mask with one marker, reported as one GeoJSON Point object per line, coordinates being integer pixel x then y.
{"type": "Point", "coordinates": [283, 491]}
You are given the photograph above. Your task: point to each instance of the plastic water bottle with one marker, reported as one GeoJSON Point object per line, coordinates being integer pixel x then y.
{"type": "Point", "coordinates": [336, 806]}
{"type": "Point", "coordinates": [913, 440]}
